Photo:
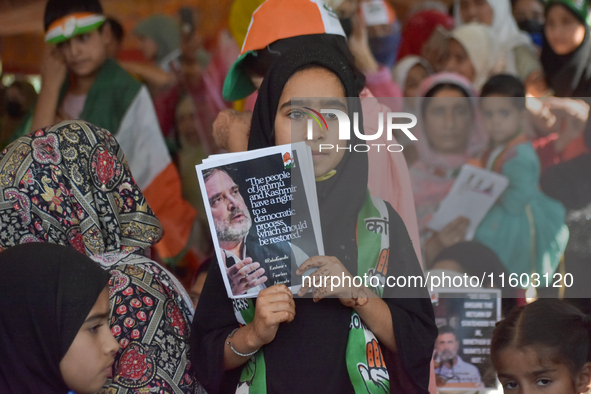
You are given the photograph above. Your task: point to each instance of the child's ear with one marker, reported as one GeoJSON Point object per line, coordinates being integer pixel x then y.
{"type": "Point", "coordinates": [583, 379]}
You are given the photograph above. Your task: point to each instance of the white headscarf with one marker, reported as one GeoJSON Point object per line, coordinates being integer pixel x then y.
{"type": "Point", "coordinates": [481, 48]}
{"type": "Point", "coordinates": [403, 67]}
{"type": "Point", "coordinates": [506, 33]}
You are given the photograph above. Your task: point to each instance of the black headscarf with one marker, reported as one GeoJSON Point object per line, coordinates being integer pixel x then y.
{"type": "Point", "coordinates": [340, 197]}
{"type": "Point", "coordinates": [568, 75]}
{"type": "Point", "coordinates": [46, 294]}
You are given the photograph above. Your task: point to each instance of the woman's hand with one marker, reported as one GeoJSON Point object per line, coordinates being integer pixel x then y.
{"type": "Point", "coordinates": [231, 130]}
{"type": "Point", "coordinates": [274, 306]}
{"type": "Point", "coordinates": [454, 232]}
{"type": "Point", "coordinates": [451, 234]}
{"type": "Point", "coordinates": [329, 267]}
{"type": "Point", "coordinates": [372, 309]}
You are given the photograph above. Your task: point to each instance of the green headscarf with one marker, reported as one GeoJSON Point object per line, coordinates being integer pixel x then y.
{"type": "Point", "coordinates": [164, 30]}
{"type": "Point", "coordinates": [580, 8]}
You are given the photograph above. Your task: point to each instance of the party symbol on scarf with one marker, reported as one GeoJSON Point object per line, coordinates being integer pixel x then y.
{"type": "Point", "coordinates": [374, 374]}
{"type": "Point", "coordinates": [380, 270]}
{"type": "Point", "coordinates": [247, 376]}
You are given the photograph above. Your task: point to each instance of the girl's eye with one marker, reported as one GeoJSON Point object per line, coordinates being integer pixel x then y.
{"type": "Point", "coordinates": [510, 385]}
{"type": "Point", "coordinates": [296, 114]}
{"type": "Point", "coordinates": [543, 382]}
{"type": "Point", "coordinates": [330, 116]}
{"type": "Point", "coordinates": [94, 329]}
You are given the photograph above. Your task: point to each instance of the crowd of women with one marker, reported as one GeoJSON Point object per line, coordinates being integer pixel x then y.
{"type": "Point", "coordinates": [93, 302]}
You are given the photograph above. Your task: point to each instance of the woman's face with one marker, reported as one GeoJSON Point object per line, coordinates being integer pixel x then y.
{"type": "Point", "coordinates": [416, 75]}
{"type": "Point", "coordinates": [528, 10]}
{"type": "Point", "coordinates": [459, 62]}
{"type": "Point", "coordinates": [448, 118]}
{"type": "Point", "coordinates": [148, 47]}
{"type": "Point", "coordinates": [563, 30]}
{"type": "Point", "coordinates": [315, 88]}
{"type": "Point", "coordinates": [476, 11]}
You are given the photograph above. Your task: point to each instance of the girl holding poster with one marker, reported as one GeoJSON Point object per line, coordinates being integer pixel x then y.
{"type": "Point", "coordinates": [342, 340]}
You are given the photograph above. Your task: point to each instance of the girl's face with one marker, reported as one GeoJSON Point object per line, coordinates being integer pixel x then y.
{"type": "Point", "coordinates": [523, 371]}
{"type": "Point", "coordinates": [88, 362]}
{"type": "Point", "coordinates": [416, 75]}
{"type": "Point", "coordinates": [501, 119]}
{"type": "Point", "coordinates": [315, 88]}
{"type": "Point", "coordinates": [564, 31]}
{"type": "Point", "coordinates": [476, 11]}
{"type": "Point", "coordinates": [448, 117]}
{"type": "Point", "coordinates": [459, 62]}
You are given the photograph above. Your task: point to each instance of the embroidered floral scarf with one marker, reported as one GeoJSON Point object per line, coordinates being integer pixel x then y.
{"type": "Point", "coordinates": [70, 184]}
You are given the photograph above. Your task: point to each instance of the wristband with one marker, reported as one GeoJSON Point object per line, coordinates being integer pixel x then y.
{"type": "Point", "coordinates": [234, 350]}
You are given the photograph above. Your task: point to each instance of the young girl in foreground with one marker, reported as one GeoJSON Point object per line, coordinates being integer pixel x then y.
{"type": "Point", "coordinates": [543, 347]}
{"type": "Point", "coordinates": [525, 228]}
{"type": "Point", "coordinates": [54, 309]}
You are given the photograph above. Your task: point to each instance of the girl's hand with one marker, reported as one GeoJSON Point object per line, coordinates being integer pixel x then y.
{"type": "Point", "coordinates": [53, 68]}
{"type": "Point", "coordinates": [329, 267]}
{"type": "Point", "coordinates": [274, 306]}
{"type": "Point", "coordinates": [359, 46]}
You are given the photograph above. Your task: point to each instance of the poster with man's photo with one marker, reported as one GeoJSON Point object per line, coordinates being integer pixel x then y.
{"type": "Point", "coordinates": [263, 214]}
{"type": "Point", "coordinates": [466, 319]}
